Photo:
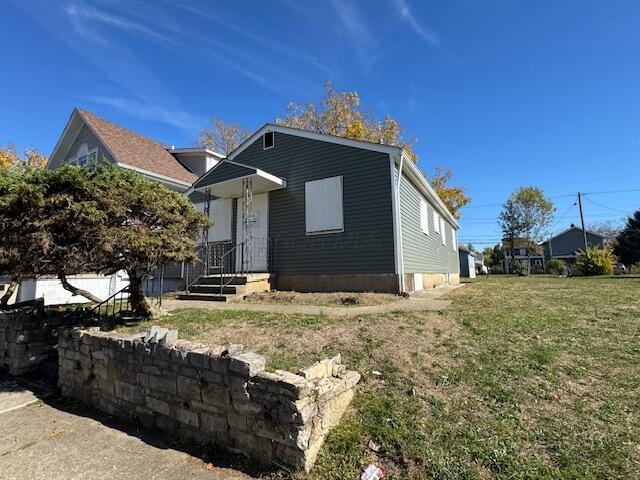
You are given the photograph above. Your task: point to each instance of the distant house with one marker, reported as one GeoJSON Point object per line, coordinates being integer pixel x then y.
{"type": "Point", "coordinates": [529, 259]}
{"type": "Point", "coordinates": [307, 211]}
{"type": "Point", "coordinates": [565, 245]}
{"type": "Point", "coordinates": [467, 262]}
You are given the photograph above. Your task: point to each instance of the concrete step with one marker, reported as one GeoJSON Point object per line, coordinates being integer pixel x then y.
{"type": "Point", "coordinates": [215, 280]}
{"type": "Point", "coordinates": [207, 297]}
{"type": "Point", "coordinates": [215, 289]}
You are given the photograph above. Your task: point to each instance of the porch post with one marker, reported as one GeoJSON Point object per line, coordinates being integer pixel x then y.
{"type": "Point", "coordinates": [205, 237]}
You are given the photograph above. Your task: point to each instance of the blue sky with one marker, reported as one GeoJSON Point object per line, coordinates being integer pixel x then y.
{"type": "Point", "coordinates": [505, 93]}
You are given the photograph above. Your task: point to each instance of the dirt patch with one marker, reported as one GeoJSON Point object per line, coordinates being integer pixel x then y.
{"type": "Point", "coordinates": [334, 299]}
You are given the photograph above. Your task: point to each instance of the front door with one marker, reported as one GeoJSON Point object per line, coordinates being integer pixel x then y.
{"type": "Point", "coordinates": [254, 253]}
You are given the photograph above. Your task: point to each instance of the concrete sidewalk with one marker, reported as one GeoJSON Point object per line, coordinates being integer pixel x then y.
{"type": "Point", "coordinates": [424, 300]}
{"type": "Point", "coordinates": [42, 442]}
{"type": "Point", "coordinates": [14, 396]}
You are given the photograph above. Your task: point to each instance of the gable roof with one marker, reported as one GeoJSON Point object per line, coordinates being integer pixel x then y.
{"type": "Point", "coordinates": [132, 149]}
{"type": "Point", "coordinates": [129, 149]}
{"type": "Point", "coordinates": [323, 137]}
{"type": "Point", "coordinates": [573, 227]}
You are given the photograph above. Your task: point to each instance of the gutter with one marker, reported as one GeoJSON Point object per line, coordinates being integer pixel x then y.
{"type": "Point", "coordinates": [399, 225]}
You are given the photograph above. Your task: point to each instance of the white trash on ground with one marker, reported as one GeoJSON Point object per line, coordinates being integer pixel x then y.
{"type": "Point", "coordinates": [373, 472]}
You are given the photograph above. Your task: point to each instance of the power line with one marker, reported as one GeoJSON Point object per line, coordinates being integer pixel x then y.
{"type": "Point", "coordinates": [608, 208]}
{"type": "Point", "coordinates": [612, 191]}
{"type": "Point", "coordinates": [572, 182]}
{"type": "Point", "coordinates": [563, 216]}
{"type": "Point", "coordinates": [480, 220]}
{"type": "Point", "coordinates": [560, 196]}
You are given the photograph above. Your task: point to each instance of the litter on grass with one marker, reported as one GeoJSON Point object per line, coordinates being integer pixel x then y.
{"type": "Point", "coordinates": [373, 472]}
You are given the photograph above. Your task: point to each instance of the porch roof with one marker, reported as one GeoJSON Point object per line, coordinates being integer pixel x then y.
{"type": "Point", "coordinates": [225, 180]}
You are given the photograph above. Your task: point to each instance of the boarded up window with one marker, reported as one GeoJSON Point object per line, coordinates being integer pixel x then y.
{"type": "Point", "coordinates": [323, 205]}
{"type": "Point", "coordinates": [424, 216]}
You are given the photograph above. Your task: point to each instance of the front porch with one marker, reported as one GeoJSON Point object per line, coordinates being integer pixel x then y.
{"type": "Point", "coordinates": [236, 254]}
{"type": "Point", "coordinates": [224, 273]}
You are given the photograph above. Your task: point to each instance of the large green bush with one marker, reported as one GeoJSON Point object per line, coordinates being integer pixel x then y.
{"type": "Point", "coordinates": [556, 267]}
{"type": "Point", "coordinates": [596, 261]}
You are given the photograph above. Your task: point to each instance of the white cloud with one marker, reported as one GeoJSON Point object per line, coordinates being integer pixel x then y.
{"type": "Point", "coordinates": [407, 15]}
{"type": "Point", "coordinates": [80, 13]}
{"type": "Point", "coordinates": [355, 25]}
{"type": "Point", "coordinates": [260, 40]}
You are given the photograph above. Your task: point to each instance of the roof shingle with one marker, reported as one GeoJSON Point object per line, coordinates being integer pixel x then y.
{"type": "Point", "coordinates": [135, 150]}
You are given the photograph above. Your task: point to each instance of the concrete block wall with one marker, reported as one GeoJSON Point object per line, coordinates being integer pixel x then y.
{"type": "Point", "coordinates": [220, 395]}
{"type": "Point", "coordinates": [28, 337]}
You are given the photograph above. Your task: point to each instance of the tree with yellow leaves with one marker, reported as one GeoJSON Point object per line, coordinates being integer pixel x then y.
{"type": "Point", "coordinates": [31, 158]}
{"type": "Point", "coordinates": [223, 137]}
{"type": "Point", "coordinates": [341, 114]}
{"type": "Point", "coordinates": [453, 197]}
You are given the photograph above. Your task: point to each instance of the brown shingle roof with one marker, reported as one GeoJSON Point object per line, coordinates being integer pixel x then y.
{"type": "Point", "coordinates": [132, 149]}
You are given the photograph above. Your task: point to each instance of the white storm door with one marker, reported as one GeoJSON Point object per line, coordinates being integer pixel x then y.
{"type": "Point", "coordinates": [257, 253]}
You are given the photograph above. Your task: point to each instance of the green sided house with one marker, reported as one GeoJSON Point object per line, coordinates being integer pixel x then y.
{"type": "Point", "coordinates": [292, 209]}
{"type": "Point", "coordinates": [324, 213]}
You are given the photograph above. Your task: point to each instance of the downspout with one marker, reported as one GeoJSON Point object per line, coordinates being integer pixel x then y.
{"type": "Point", "coordinates": [401, 262]}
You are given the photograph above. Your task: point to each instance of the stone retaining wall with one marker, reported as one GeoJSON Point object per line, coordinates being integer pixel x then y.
{"type": "Point", "coordinates": [220, 395]}
{"type": "Point", "coordinates": [28, 337]}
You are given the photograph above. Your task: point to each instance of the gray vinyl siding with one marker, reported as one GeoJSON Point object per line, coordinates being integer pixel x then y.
{"type": "Point", "coordinates": [85, 135]}
{"type": "Point", "coordinates": [423, 253]}
{"type": "Point", "coordinates": [367, 243]}
{"type": "Point", "coordinates": [568, 243]}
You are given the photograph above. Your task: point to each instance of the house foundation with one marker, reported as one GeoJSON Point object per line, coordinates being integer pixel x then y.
{"type": "Point", "coordinates": [379, 283]}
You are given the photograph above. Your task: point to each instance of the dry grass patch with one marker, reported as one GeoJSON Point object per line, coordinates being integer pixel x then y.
{"type": "Point", "coordinates": [333, 299]}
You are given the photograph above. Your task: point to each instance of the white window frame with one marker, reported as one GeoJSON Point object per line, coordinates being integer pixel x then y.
{"type": "Point", "coordinates": [264, 136]}
{"type": "Point", "coordinates": [340, 210]}
{"type": "Point", "coordinates": [443, 232]}
{"type": "Point", "coordinates": [436, 222]}
{"type": "Point", "coordinates": [84, 159]}
{"type": "Point", "coordinates": [454, 240]}
{"type": "Point", "coordinates": [424, 216]}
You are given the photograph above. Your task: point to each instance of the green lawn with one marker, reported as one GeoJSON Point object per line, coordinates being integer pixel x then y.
{"type": "Point", "coordinates": [533, 377]}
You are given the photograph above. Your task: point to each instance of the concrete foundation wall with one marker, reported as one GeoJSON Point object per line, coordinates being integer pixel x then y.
{"type": "Point", "coordinates": [381, 283]}
{"type": "Point", "coordinates": [430, 280]}
{"type": "Point", "coordinates": [220, 395]}
{"type": "Point", "coordinates": [51, 290]}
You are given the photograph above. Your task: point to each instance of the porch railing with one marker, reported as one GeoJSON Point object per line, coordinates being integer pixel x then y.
{"type": "Point", "coordinates": [247, 257]}
{"type": "Point", "coordinates": [212, 258]}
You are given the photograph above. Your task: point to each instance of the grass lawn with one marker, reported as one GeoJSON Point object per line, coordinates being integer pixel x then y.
{"type": "Point", "coordinates": [533, 377]}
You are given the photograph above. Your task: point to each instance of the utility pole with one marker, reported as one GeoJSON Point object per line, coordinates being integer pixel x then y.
{"type": "Point", "coordinates": [584, 232]}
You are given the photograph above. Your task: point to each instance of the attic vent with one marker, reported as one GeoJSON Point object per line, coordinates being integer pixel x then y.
{"type": "Point", "coordinates": [267, 140]}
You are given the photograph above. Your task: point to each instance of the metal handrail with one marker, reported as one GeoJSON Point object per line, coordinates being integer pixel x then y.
{"type": "Point", "coordinates": [111, 302]}
{"type": "Point", "coordinates": [246, 266]}
{"type": "Point", "coordinates": [232, 266]}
